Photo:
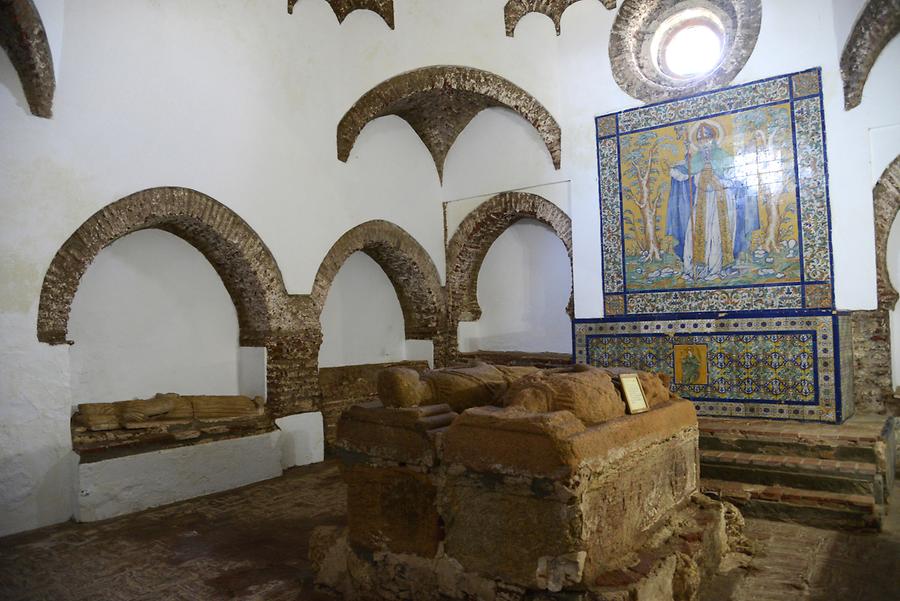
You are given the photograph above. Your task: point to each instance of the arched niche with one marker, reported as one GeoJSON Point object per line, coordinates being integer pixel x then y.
{"type": "Point", "coordinates": [267, 315]}
{"type": "Point", "coordinates": [362, 320]}
{"type": "Point", "coordinates": [474, 237]}
{"type": "Point", "coordinates": [873, 333]}
{"type": "Point", "coordinates": [887, 205]}
{"type": "Point", "coordinates": [238, 255]}
{"type": "Point", "coordinates": [478, 231]}
{"type": "Point", "coordinates": [151, 315]}
{"type": "Point", "coordinates": [406, 264]}
{"type": "Point", "coordinates": [524, 285]}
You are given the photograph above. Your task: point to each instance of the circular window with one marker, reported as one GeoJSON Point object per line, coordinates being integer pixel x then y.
{"type": "Point", "coordinates": [663, 49]}
{"type": "Point", "coordinates": [689, 47]}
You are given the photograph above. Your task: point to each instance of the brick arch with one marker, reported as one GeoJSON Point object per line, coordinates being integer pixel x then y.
{"type": "Point", "coordinates": [887, 206]}
{"type": "Point", "coordinates": [439, 102]}
{"type": "Point", "coordinates": [235, 251]}
{"type": "Point", "coordinates": [877, 25]}
{"type": "Point", "coordinates": [478, 232]}
{"type": "Point", "coordinates": [23, 37]}
{"type": "Point", "coordinates": [406, 264]}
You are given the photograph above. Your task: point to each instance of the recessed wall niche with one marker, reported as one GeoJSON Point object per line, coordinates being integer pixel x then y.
{"type": "Point", "coordinates": [151, 315]}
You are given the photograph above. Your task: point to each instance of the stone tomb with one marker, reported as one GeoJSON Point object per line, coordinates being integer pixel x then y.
{"type": "Point", "coordinates": [550, 492]}
{"type": "Point", "coordinates": [105, 430]}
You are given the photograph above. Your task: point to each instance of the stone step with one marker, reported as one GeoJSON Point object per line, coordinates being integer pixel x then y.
{"type": "Point", "coordinates": [809, 473]}
{"type": "Point", "coordinates": [848, 442]}
{"type": "Point", "coordinates": [812, 507]}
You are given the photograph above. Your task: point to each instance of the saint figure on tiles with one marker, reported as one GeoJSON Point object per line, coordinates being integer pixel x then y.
{"type": "Point", "coordinates": [711, 214]}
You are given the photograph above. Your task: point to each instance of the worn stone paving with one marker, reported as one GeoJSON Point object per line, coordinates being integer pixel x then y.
{"type": "Point", "coordinates": [251, 544]}
{"type": "Point", "coordinates": [248, 544]}
{"type": "Point", "coordinates": [801, 563]}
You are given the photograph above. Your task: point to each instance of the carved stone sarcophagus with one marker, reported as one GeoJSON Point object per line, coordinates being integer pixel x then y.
{"type": "Point", "coordinates": [551, 489]}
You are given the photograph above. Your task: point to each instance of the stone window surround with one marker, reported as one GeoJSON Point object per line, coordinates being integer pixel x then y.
{"type": "Point", "coordinates": [631, 45]}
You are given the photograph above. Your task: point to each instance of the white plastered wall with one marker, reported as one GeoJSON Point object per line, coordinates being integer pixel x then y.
{"type": "Point", "coordinates": [240, 101]}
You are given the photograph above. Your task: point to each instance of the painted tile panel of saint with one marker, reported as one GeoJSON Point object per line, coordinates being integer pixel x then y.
{"type": "Point", "coordinates": [711, 203]}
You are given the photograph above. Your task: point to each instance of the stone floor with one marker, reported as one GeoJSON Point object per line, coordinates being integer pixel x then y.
{"type": "Point", "coordinates": [251, 543]}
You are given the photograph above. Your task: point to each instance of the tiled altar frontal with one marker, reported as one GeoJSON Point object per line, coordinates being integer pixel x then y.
{"type": "Point", "coordinates": [773, 365]}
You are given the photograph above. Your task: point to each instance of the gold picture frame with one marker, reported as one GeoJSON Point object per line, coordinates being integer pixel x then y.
{"type": "Point", "coordinates": [634, 393]}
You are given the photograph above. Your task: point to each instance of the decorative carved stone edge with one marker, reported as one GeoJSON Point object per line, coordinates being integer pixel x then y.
{"type": "Point", "coordinates": [439, 102]}
{"type": "Point", "coordinates": [287, 325]}
{"type": "Point", "coordinates": [877, 25]}
{"type": "Point", "coordinates": [342, 8]}
{"type": "Point", "coordinates": [473, 239]}
{"type": "Point", "coordinates": [23, 38]}
{"type": "Point", "coordinates": [635, 24]}
{"type": "Point", "coordinates": [515, 10]}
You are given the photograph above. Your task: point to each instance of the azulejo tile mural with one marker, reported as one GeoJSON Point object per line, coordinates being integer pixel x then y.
{"type": "Point", "coordinates": [717, 202]}
{"type": "Point", "coordinates": [776, 365]}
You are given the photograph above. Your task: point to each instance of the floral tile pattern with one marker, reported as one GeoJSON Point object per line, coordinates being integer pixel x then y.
{"type": "Point", "coordinates": [776, 365]}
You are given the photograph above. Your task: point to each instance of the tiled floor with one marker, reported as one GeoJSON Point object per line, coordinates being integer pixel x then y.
{"type": "Point", "coordinates": [251, 544]}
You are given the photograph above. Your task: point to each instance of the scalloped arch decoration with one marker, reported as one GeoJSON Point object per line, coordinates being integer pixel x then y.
{"type": "Point", "coordinates": [342, 8]}
{"type": "Point", "coordinates": [515, 10]}
{"type": "Point", "coordinates": [439, 102]}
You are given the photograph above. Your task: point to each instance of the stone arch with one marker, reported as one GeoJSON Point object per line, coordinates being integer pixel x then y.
{"type": "Point", "coordinates": [515, 10]}
{"type": "Point", "coordinates": [877, 25]}
{"type": "Point", "coordinates": [439, 102]}
{"type": "Point", "coordinates": [23, 37]}
{"type": "Point", "coordinates": [235, 251]}
{"type": "Point", "coordinates": [406, 264]}
{"type": "Point", "coordinates": [342, 8]}
{"type": "Point", "coordinates": [267, 315]}
{"type": "Point", "coordinates": [887, 206]}
{"type": "Point", "coordinates": [478, 232]}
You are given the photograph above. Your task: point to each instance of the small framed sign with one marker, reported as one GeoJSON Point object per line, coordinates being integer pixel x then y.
{"type": "Point", "coordinates": [634, 393]}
